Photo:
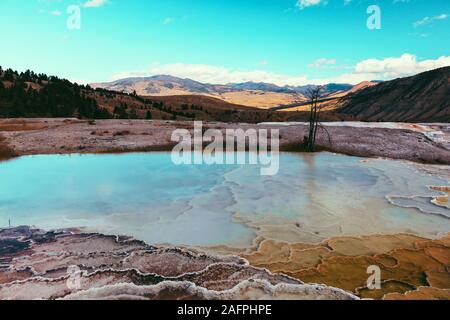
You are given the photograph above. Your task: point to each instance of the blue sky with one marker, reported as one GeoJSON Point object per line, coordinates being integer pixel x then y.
{"type": "Point", "coordinates": [280, 41]}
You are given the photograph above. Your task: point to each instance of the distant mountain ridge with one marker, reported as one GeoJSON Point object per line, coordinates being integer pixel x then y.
{"type": "Point", "coordinates": [189, 85]}
{"type": "Point", "coordinates": [256, 94]}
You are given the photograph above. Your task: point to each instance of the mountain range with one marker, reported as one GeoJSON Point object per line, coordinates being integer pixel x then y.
{"type": "Point", "coordinates": [253, 94]}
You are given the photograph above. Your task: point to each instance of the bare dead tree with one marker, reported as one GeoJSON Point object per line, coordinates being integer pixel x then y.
{"type": "Point", "coordinates": [314, 95]}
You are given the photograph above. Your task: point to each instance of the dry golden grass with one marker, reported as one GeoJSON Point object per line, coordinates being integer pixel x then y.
{"type": "Point", "coordinates": [261, 99]}
{"type": "Point", "coordinates": [324, 106]}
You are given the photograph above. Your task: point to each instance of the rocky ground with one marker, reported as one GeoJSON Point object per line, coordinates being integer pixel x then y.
{"type": "Point", "coordinates": [62, 136]}
{"type": "Point", "coordinates": [69, 264]}
{"type": "Point", "coordinates": [35, 264]}
{"type": "Point", "coordinates": [411, 267]}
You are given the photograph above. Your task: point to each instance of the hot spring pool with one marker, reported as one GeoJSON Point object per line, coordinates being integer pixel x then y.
{"type": "Point", "coordinates": [145, 195]}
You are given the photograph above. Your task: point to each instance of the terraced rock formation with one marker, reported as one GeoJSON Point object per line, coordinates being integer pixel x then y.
{"type": "Point", "coordinates": [411, 267]}
{"type": "Point", "coordinates": [72, 265]}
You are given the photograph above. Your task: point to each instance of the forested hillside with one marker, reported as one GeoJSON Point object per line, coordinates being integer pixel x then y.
{"type": "Point", "coordinates": [28, 94]}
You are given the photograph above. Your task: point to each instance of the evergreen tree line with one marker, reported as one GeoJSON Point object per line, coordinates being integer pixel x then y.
{"type": "Point", "coordinates": [28, 94]}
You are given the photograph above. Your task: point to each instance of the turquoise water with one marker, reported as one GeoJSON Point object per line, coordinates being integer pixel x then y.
{"type": "Point", "coordinates": [144, 195]}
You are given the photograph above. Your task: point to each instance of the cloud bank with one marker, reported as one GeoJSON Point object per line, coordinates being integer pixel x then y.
{"type": "Point", "coordinates": [370, 69]}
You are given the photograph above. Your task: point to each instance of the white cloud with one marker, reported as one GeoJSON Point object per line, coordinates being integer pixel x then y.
{"type": "Point", "coordinates": [428, 20]}
{"type": "Point", "coordinates": [405, 65]}
{"type": "Point", "coordinates": [94, 3]}
{"type": "Point", "coordinates": [214, 74]}
{"type": "Point", "coordinates": [370, 69]}
{"type": "Point", "coordinates": [302, 4]}
{"type": "Point", "coordinates": [319, 63]}
{"type": "Point", "coordinates": [80, 81]}
{"type": "Point", "coordinates": [56, 13]}
{"type": "Point", "coordinates": [132, 74]}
